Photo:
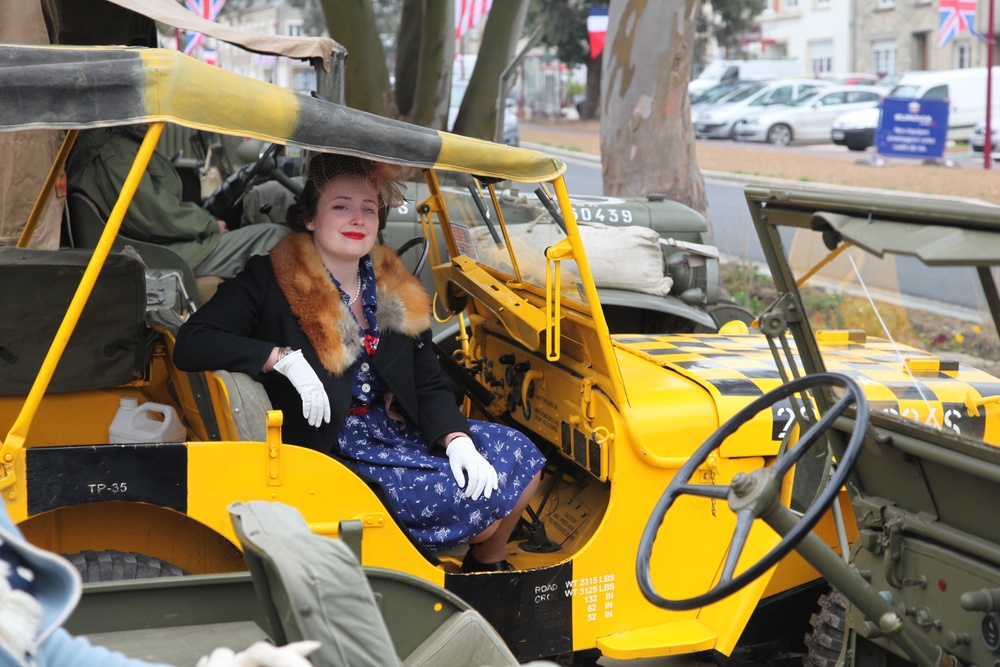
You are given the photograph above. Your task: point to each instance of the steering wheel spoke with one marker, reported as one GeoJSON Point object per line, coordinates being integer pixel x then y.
{"type": "Point", "coordinates": [744, 522]}
{"type": "Point", "coordinates": [704, 491]}
{"type": "Point", "coordinates": [755, 496]}
{"type": "Point", "coordinates": [815, 432]}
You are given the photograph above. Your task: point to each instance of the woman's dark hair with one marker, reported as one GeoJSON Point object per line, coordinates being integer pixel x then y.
{"type": "Point", "coordinates": [325, 167]}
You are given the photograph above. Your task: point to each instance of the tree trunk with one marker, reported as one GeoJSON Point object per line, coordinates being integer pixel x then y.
{"type": "Point", "coordinates": [477, 113]}
{"type": "Point", "coordinates": [592, 102]}
{"type": "Point", "coordinates": [366, 84]}
{"type": "Point", "coordinates": [408, 54]}
{"type": "Point", "coordinates": [647, 142]}
{"type": "Point", "coordinates": [424, 62]}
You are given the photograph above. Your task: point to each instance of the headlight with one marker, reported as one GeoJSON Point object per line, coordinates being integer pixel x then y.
{"type": "Point", "coordinates": [850, 126]}
{"type": "Point", "coordinates": [706, 117]}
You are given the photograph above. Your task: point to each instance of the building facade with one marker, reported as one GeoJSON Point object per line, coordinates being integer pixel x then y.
{"type": "Point", "coordinates": [817, 33]}
{"type": "Point", "coordinates": [267, 17]}
{"type": "Point", "coordinates": [881, 37]}
{"type": "Point", "coordinates": [896, 36]}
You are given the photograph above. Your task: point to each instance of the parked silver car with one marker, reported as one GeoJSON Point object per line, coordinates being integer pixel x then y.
{"type": "Point", "coordinates": [718, 121]}
{"type": "Point", "coordinates": [720, 94]}
{"type": "Point", "coordinates": [978, 139]}
{"type": "Point", "coordinates": [809, 117]}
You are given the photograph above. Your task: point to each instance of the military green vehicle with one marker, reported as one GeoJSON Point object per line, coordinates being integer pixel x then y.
{"type": "Point", "coordinates": [918, 457]}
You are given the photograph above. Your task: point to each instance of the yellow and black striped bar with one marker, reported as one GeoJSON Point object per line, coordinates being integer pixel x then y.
{"type": "Point", "coordinates": [79, 87]}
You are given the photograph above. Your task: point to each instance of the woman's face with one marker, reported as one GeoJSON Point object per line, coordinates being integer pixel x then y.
{"type": "Point", "coordinates": [345, 226]}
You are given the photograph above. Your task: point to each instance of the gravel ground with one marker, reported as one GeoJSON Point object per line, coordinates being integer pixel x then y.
{"type": "Point", "coordinates": [816, 164]}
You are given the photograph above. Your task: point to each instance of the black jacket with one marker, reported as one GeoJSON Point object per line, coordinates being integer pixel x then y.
{"type": "Point", "coordinates": [287, 298]}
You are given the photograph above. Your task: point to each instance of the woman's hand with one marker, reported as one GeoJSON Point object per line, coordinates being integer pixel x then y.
{"type": "Point", "coordinates": [315, 402]}
{"type": "Point", "coordinates": [262, 654]}
{"type": "Point", "coordinates": [463, 456]}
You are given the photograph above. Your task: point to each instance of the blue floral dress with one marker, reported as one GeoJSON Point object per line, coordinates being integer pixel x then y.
{"type": "Point", "coordinates": [419, 484]}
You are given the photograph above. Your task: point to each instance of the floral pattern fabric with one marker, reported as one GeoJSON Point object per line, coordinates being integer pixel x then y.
{"type": "Point", "coordinates": [380, 446]}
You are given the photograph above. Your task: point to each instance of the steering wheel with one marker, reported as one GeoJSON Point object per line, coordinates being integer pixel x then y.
{"type": "Point", "coordinates": [753, 495]}
{"type": "Point", "coordinates": [422, 257]}
{"type": "Point", "coordinates": [266, 163]}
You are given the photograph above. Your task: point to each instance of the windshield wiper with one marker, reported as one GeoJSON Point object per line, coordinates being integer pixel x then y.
{"type": "Point", "coordinates": [484, 213]}
{"type": "Point", "coordinates": [551, 207]}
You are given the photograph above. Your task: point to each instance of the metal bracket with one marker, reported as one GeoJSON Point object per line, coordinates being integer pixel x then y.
{"type": "Point", "coordinates": [274, 420]}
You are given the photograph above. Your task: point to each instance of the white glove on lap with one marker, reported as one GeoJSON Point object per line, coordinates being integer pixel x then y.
{"type": "Point", "coordinates": [315, 402]}
{"type": "Point", "coordinates": [262, 654]}
{"type": "Point", "coordinates": [462, 455]}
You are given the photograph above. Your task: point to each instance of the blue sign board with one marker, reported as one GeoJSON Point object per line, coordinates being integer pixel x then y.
{"type": "Point", "coordinates": [912, 128]}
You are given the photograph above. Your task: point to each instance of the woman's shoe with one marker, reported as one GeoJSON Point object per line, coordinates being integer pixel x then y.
{"type": "Point", "coordinates": [470, 564]}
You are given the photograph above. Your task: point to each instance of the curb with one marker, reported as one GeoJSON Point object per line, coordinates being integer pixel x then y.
{"type": "Point", "coordinates": [561, 152]}
{"type": "Point", "coordinates": [745, 179]}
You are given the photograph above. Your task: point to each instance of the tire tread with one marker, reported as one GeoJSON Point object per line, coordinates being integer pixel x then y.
{"type": "Point", "coordinates": [826, 641]}
{"type": "Point", "coordinates": [111, 565]}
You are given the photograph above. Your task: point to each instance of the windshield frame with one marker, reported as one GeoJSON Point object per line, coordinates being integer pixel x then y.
{"type": "Point", "coordinates": [881, 225]}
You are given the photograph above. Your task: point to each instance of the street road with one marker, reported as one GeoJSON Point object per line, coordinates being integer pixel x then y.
{"type": "Point", "coordinates": [735, 235]}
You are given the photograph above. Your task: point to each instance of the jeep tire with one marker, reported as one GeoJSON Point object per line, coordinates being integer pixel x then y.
{"type": "Point", "coordinates": [121, 566]}
{"type": "Point", "coordinates": [825, 642]}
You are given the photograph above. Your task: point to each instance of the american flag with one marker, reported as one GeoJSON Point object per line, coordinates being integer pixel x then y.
{"type": "Point", "coordinates": [956, 16]}
{"type": "Point", "coordinates": [208, 10]}
{"type": "Point", "coordinates": [468, 14]}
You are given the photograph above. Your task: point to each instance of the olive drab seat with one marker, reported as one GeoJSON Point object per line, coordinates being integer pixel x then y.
{"type": "Point", "coordinates": [248, 406]}
{"type": "Point", "coordinates": [86, 225]}
{"type": "Point", "coordinates": [313, 587]}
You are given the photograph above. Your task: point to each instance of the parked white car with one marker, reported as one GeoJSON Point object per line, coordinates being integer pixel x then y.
{"type": "Point", "coordinates": [809, 117]}
{"type": "Point", "coordinates": [856, 129]}
{"type": "Point", "coordinates": [718, 121]}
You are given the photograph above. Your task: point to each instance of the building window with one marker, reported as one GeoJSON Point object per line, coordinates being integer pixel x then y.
{"type": "Point", "coordinates": [791, 4]}
{"type": "Point", "coordinates": [822, 65]}
{"type": "Point", "coordinates": [886, 4]}
{"type": "Point", "coordinates": [822, 3]}
{"type": "Point", "coordinates": [821, 57]}
{"type": "Point", "coordinates": [963, 55]}
{"type": "Point", "coordinates": [884, 57]}
{"type": "Point", "coordinates": [295, 29]}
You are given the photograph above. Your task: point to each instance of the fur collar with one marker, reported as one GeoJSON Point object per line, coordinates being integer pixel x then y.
{"type": "Point", "coordinates": [403, 304]}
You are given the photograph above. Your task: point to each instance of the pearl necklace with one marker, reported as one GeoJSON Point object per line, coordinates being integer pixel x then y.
{"type": "Point", "coordinates": [357, 293]}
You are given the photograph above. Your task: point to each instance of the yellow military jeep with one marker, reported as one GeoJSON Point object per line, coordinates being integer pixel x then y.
{"type": "Point", "coordinates": [617, 406]}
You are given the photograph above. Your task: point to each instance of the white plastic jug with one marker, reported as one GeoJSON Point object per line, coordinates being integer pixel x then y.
{"type": "Point", "coordinates": [149, 422]}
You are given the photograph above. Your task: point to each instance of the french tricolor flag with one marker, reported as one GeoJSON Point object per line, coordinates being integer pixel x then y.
{"type": "Point", "coordinates": [597, 29]}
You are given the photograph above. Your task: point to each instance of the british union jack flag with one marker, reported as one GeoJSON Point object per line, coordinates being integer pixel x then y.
{"type": "Point", "coordinates": [208, 10]}
{"type": "Point", "coordinates": [956, 16]}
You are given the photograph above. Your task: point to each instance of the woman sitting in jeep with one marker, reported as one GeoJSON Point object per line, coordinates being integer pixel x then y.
{"type": "Point", "coordinates": [337, 330]}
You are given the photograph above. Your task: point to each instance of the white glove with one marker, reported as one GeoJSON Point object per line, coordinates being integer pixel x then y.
{"type": "Point", "coordinates": [462, 455]}
{"type": "Point", "coordinates": [262, 654]}
{"type": "Point", "coordinates": [315, 402]}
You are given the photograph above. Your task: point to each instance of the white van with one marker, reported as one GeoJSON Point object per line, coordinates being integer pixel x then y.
{"type": "Point", "coordinates": [965, 90]}
{"type": "Point", "coordinates": [724, 71]}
